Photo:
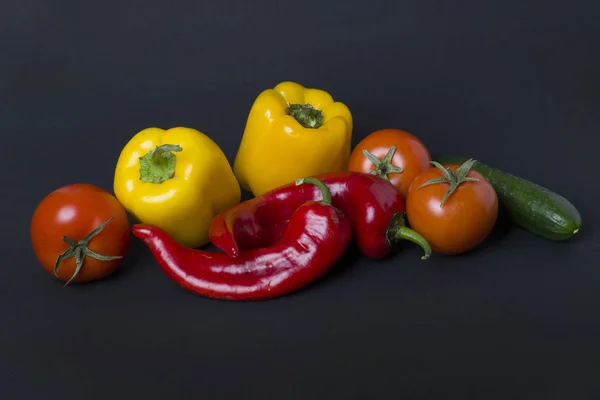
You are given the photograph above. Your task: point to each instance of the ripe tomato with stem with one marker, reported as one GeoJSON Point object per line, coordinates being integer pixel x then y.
{"type": "Point", "coordinates": [393, 154]}
{"type": "Point", "coordinates": [80, 233]}
{"type": "Point", "coordinates": [453, 206]}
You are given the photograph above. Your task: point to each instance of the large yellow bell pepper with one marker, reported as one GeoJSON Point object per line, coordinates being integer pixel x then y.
{"type": "Point", "coordinates": [292, 132]}
{"type": "Point", "coordinates": [177, 179]}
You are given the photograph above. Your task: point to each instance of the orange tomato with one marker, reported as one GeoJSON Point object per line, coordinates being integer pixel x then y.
{"type": "Point", "coordinates": [454, 207]}
{"type": "Point", "coordinates": [80, 221]}
{"type": "Point", "coordinates": [394, 154]}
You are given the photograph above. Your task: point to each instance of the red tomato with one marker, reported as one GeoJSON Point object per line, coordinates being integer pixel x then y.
{"type": "Point", "coordinates": [460, 222]}
{"type": "Point", "coordinates": [393, 154]}
{"type": "Point", "coordinates": [74, 212]}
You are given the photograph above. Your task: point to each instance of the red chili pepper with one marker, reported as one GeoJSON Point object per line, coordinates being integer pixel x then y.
{"type": "Point", "coordinates": [373, 205]}
{"type": "Point", "coordinates": [315, 238]}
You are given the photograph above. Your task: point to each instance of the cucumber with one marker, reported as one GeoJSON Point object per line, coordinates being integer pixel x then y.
{"type": "Point", "coordinates": [527, 204]}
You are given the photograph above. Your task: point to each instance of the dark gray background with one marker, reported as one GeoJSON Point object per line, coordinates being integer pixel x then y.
{"type": "Point", "coordinates": [512, 83]}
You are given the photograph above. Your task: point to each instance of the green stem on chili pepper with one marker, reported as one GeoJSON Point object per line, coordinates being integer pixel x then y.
{"type": "Point", "coordinates": [324, 189]}
{"type": "Point", "coordinates": [399, 231]}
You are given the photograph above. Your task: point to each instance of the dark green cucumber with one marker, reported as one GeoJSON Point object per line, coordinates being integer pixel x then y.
{"type": "Point", "coordinates": [527, 204]}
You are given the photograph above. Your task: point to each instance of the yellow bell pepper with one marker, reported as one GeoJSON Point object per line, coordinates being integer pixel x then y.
{"type": "Point", "coordinates": [177, 179]}
{"type": "Point", "coordinates": [292, 132]}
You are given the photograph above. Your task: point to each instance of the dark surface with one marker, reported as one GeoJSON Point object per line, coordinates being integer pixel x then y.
{"type": "Point", "coordinates": [515, 84]}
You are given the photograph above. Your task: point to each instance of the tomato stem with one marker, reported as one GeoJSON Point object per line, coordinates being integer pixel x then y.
{"type": "Point", "coordinates": [80, 250]}
{"type": "Point", "coordinates": [453, 178]}
{"type": "Point", "coordinates": [384, 166]}
{"type": "Point", "coordinates": [399, 231]}
{"type": "Point", "coordinates": [306, 115]}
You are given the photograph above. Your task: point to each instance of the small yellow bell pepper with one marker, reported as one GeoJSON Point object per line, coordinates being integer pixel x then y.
{"type": "Point", "coordinates": [177, 179]}
{"type": "Point", "coordinates": [292, 132]}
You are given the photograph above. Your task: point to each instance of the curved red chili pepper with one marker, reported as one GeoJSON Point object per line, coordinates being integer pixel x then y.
{"type": "Point", "coordinates": [315, 238]}
{"type": "Point", "coordinates": [373, 205]}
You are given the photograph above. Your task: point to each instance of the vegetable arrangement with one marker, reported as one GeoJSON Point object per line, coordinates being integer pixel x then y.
{"type": "Point", "coordinates": [530, 205]}
{"type": "Point", "coordinates": [374, 207]}
{"type": "Point", "coordinates": [313, 197]}
{"type": "Point", "coordinates": [314, 239]}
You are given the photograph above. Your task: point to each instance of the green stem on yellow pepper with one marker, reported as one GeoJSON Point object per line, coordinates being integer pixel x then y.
{"type": "Point", "coordinates": [306, 115]}
{"type": "Point", "coordinates": [158, 165]}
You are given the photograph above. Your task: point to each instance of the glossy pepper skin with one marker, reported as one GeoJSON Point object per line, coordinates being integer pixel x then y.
{"type": "Point", "coordinates": [372, 204]}
{"type": "Point", "coordinates": [176, 179]}
{"type": "Point", "coordinates": [292, 132]}
{"type": "Point", "coordinates": [315, 238]}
